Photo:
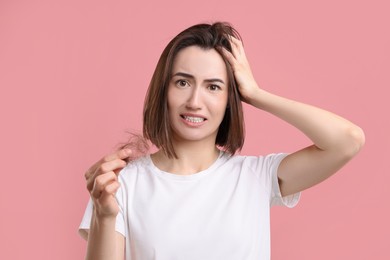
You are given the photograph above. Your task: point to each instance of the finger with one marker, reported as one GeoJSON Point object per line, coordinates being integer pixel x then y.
{"type": "Point", "coordinates": [90, 171]}
{"type": "Point", "coordinates": [235, 47]}
{"type": "Point", "coordinates": [101, 182]}
{"type": "Point", "coordinates": [228, 55]}
{"type": "Point", "coordinates": [235, 41]}
{"type": "Point", "coordinates": [112, 166]}
{"type": "Point", "coordinates": [121, 154]}
{"type": "Point", "coordinates": [238, 48]}
{"type": "Point", "coordinates": [110, 190]}
{"type": "Point", "coordinates": [108, 194]}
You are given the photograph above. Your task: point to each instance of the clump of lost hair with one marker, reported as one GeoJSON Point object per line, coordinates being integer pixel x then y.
{"type": "Point", "coordinates": [138, 145]}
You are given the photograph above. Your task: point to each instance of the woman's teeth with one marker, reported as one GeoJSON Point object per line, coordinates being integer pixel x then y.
{"type": "Point", "coordinates": [194, 119]}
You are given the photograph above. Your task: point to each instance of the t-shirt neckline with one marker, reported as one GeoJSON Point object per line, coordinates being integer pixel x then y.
{"type": "Point", "coordinates": [194, 176]}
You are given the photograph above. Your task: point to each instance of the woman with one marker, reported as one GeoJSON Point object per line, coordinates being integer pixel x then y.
{"type": "Point", "coordinates": [194, 198]}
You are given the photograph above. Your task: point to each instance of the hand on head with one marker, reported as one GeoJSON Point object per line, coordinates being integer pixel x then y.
{"type": "Point", "coordinates": [241, 69]}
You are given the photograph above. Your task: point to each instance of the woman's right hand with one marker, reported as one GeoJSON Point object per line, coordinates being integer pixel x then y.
{"type": "Point", "coordinates": [102, 183]}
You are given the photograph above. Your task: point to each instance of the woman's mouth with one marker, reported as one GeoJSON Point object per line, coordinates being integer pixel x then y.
{"type": "Point", "coordinates": [193, 119]}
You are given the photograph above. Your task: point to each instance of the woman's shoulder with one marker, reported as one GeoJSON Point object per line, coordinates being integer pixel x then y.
{"type": "Point", "coordinates": [256, 160]}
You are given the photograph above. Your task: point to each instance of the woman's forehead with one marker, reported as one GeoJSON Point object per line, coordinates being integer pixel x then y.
{"type": "Point", "coordinates": [201, 63]}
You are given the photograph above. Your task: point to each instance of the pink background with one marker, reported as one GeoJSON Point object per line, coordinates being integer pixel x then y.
{"type": "Point", "coordinates": [73, 75]}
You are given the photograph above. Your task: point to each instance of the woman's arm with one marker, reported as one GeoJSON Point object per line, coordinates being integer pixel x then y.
{"type": "Point", "coordinates": [103, 241]}
{"type": "Point", "coordinates": [336, 140]}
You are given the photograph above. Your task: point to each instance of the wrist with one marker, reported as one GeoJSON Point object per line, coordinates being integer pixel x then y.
{"type": "Point", "coordinates": [257, 98]}
{"type": "Point", "coordinates": [103, 218]}
{"type": "Point", "coordinates": [103, 223]}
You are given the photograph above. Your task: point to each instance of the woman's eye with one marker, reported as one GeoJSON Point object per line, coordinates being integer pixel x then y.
{"type": "Point", "coordinates": [214, 87]}
{"type": "Point", "coordinates": [181, 83]}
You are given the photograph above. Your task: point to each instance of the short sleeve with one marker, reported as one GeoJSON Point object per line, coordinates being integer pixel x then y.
{"type": "Point", "coordinates": [272, 162]}
{"type": "Point", "coordinates": [86, 220]}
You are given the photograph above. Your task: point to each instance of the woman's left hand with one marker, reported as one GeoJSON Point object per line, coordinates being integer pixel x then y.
{"type": "Point", "coordinates": [247, 85]}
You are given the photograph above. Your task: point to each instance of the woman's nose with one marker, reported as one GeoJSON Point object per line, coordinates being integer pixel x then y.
{"type": "Point", "coordinates": [194, 99]}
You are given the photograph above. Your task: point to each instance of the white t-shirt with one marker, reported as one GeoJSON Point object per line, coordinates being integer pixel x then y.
{"type": "Point", "coordinates": [221, 213]}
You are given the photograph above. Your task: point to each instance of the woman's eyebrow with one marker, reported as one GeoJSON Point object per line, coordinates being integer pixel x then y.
{"type": "Point", "coordinates": [189, 76]}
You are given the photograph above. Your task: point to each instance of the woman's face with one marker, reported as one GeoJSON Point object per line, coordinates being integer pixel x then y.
{"type": "Point", "coordinates": [197, 94]}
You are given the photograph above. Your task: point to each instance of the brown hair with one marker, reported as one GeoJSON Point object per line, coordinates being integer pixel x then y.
{"type": "Point", "coordinates": [156, 123]}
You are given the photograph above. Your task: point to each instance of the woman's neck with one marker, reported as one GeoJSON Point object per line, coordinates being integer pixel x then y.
{"type": "Point", "coordinates": [193, 157]}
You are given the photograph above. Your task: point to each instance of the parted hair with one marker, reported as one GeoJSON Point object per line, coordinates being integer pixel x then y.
{"type": "Point", "coordinates": [156, 124]}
